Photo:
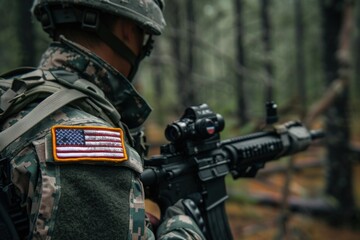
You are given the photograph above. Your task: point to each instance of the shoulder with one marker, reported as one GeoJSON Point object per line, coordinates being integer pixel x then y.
{"type": "Point", "coordinates": [63, 116]}
{"type": "Point", "coordinates": [66, 123]}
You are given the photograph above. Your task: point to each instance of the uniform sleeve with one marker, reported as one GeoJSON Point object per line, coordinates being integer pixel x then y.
{"type": "Point", "coordinates": [178, 226]}
{"type": "Point", "coordinates": [26, 178]}
{"type": "Point", "coordinates": [77, 200]}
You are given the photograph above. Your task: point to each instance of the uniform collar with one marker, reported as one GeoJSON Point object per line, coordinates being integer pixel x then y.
{"type": "Point", "coordinates": [72, 57]}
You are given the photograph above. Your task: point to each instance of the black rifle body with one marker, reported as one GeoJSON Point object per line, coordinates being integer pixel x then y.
{"type": "Point", "coordinates": [195, 163]}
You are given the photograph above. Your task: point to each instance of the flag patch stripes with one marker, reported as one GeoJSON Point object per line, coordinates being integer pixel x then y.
{"type": "Point", "coordinates": [84, 143]}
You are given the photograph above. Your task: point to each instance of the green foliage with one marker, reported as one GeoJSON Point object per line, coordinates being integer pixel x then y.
{"type": "Point", "coordinates": [8, 39]}
{"type": "Point", "coordinates": [215, 71]}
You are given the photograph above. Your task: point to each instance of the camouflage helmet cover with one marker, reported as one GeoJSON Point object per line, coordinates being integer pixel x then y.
{"type": "Point", "coordinates": [146, 13]}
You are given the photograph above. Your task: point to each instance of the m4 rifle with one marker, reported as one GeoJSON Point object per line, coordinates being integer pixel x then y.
{"type": "Point", "coordinates": [194, 164]}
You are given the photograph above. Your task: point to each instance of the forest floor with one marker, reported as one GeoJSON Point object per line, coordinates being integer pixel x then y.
{"type": "Point", "coordinates": [250, 220]}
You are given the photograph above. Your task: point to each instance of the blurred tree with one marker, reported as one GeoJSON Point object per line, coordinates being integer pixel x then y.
{"type": "Point", "coordinates": [158, 80]}
{"type": "Point", "coordinates": [8, 39]}
{"type": "Point", "coordinates": [25, 32]}
{"type": "Point", "coordinates": [339, 183]}
{"type": "Point", "coordinates": [357, 47]}
{"type": "Point", "coordinates": [188, 94]}
{"type": "Point", "coordinates": [175, 27]}
{"type": "Point", "coordinates": [240, 59]}
{"type": "Point", "coordinates": [266, 37]}
{"type": "Point", "coordinates": [300, 69]}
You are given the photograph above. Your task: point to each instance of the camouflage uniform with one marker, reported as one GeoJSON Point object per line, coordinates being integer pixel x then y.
{"type": "Point", "coordinates": [74, 200]}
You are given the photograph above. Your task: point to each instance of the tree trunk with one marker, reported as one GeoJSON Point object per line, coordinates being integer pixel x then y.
{"type": "Point", "coordinates": [189, 94]}
{"type": "Point", "coordinates": [339, 167]}
{"type": "Point", "coordinates": [300, 69]}
{"type": "Point", "coordinates": [158, 81]}
{"type": "Point", "coordinates": [357, 47]}
{"type": "Point", "coordinates": [240, 56]}
{"type": "Point", "coordinates": [26, 33]}
{"type": "Point", "coordinates": [266, 29]}
{"type": "Point", "coordinates": [183, 51]}
{"type": "Point", "coordinates": [177, 47]}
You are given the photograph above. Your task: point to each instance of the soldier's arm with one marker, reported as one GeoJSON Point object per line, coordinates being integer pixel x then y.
{"type": "Point", "coordinates": [178, 226]}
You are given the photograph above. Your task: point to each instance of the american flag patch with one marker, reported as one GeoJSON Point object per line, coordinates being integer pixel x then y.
{"type": "Point", "coordinates": [84, 143]}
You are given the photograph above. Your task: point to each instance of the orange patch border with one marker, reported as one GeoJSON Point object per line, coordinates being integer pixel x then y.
{"type": "Point", "coordinates": [79, 159]}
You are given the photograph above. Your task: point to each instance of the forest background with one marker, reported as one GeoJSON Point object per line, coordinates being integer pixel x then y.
{"type": "Point", "coordinates": [235, 55]}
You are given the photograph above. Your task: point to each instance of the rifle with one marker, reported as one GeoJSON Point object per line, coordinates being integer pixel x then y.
{"type": "Point", "coordinates": [194, 164]}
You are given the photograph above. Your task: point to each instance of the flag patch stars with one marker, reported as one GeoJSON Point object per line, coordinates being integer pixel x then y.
{"type": "Point", "coordinates": [87, 143]}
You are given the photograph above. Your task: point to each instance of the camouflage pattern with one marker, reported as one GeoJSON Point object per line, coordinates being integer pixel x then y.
{"type": "Point", "coordinates": [177, 225]}
{"type": "Point", "coordinates": [146, 13]}
{"type": "Point", "coordinates": [38, 179]}
{"type": "Point", "coordinates": [137, 211]}
{"type": "Point", "coordinates": [72, 57]}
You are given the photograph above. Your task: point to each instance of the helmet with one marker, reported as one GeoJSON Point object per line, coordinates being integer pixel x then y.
{"type": "Point", "coordinates": [146, 13]}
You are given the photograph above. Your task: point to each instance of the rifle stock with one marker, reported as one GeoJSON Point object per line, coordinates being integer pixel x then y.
{"type": "Point", "coordinates": [193, 166]}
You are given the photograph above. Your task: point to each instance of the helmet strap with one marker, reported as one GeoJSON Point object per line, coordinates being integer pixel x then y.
{"type": "Point", "coordinates": [145, 51]}
{"type": "Point", "coordinates": [91, 22]}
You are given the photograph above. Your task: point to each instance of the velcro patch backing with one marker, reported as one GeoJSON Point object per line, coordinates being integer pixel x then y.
{"type": "Point", "coordinates": [88, 143]}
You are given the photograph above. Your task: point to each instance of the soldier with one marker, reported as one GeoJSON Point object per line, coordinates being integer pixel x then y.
{"type": "Point", "coordinates": [70, 144]}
